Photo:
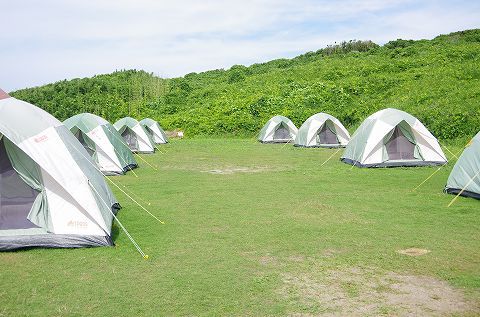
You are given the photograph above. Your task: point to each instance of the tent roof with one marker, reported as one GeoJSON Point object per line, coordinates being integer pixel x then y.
{"type": "Point", "coordinates": [148, 121]}
{"type": "Point", "coordinates": [3, 94]}
{"type": "Point", "coordinates": [278, 119]}
{"type": "Point", "coordinates": [85, 121]}
{"type": "Point", "coordinates": [127, 121]}
{"type": "Point", "coordinates": [33, 119]}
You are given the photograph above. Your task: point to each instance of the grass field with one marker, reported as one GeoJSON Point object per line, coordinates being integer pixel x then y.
{"type": "Point", "coordinates": [255, 230]}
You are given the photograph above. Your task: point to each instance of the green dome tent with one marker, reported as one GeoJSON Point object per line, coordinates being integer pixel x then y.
{"type": "Point", "coordinates": [103, 142]}
{"type": "Point", "coordinates": [278, 129]}
{"type": "Point", "coordinates": [465, 176]}
{"type": "Point", "coordinates": [322, 130]}
{"type": "Point", "coordinates": [135, 135]}
{"type": "Point", "coordinates": [154, 130]}
{"type": "Point", "coordinates": [392, 137]}
{"type": "Point", "coordinates": [51, 193]}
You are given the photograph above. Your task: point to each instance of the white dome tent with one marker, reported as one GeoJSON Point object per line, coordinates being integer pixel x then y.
{"type": "Point", "coordinates": [390, 138]}
{"type": "Point", "coordinates": [322, 130]}
{"type": "Point", "coordinates": [155, 131]}
{"type": "Point", "coordinates": [278, 129]}
{"type": "Point", "coordinates": [106, 146]}
{"type": "Point", "coordinates": [51, 194]}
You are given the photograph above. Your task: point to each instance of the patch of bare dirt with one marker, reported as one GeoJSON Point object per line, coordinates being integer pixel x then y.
{"type": "Point", "coordinates": [368, 292]}
{"type": "Point", "coordinates": [219, 229]}
{"type": "Point", "coordinates": [329, 253]}
{"type": "Point", "coordinates": [268, 260]}
{"type": "Point", "coordinates": [413, 251]}
{"type": "Point", "coordinates": [296, 258]}
{"type": "Point", "coordinates": [233, 170]}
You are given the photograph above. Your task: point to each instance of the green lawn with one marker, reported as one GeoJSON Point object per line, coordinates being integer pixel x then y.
{"type": "Point", "coordinates": [253, 230]}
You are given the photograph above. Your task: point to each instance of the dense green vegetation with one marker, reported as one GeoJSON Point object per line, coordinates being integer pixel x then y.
{"type": "Point", "coordinates": [111, 96]}
{"type": "Point", "coordinates": [274, 236]}
{"type": "Point", "coordinates": [436, 80]}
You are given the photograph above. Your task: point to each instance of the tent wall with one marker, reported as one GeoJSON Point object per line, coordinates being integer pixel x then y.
{"type": "Point", "coordinates": [465, 174]}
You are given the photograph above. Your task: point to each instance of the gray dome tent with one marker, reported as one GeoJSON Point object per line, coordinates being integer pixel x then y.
{"type": "Point", "coordinates": [51, 193]}
{"type": "Point", "coordinates": [322, 130]}
{"type": "Point", "coordinates": [465, 176]}
{"type": "Point", "coordinates": [278, 129]}
{"type": "Point", "coordinates": [103, 142]}
{"type": "Point", "coordinates": [135, 135]}
{"type": "Point", "coordinates": [392, 137]}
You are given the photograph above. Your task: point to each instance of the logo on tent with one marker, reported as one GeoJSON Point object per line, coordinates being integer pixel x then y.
{"type": "Point", "coordinates": [77, 224]}
{"type": "Point", "coordinates": [41, 138]}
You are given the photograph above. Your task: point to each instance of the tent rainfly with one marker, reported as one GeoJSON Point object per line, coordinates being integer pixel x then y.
{"type": "Point", "coordinates": [278, 129]}
{"type": "Point", "coordinates": [135, 135]}
{"type": "Point", "coordinates": [154, 130]}
{"type": "Point", "coordinates": [51, 193]}
{"type": "Point", "coordinates": [103, 142]}
{"type": "Point", "coordinates": [390, 138]}
{"type": "Point", "coordinates": [322, 130]}
{"type": "Point", "coordinates": [465, 176]}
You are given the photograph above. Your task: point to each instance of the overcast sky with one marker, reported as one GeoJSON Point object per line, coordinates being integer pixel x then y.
{"type": "Point", "coordinates": [50, 40]}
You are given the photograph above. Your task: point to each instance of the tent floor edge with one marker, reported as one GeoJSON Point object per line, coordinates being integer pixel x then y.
{"type": "Point", "coordinates": [276, 141]}
{"type": "Point", "coordinates": [333, 146]}
{"type": "Point", "coordinates": [61, 241]}
{"type": "Point", "coordinates": [465, 193]}
{"type": "Point", "coordinates": [392, 164]}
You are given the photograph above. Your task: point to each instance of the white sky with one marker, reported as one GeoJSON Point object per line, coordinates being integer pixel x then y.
{"type": "Point", "coordinates": [50, 40]}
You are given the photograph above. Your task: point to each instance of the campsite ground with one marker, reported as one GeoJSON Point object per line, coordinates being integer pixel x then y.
{"type": "Point", "coordinates": [253, 229]}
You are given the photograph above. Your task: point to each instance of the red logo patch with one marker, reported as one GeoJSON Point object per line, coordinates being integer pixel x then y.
{"type": "Point", "coordinates": [41, 138]}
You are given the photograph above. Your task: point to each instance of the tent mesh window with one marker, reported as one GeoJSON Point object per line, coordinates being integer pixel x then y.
{"type": "Point", "coordinates": [282, 133]}
{"type": "Point", "coordinates": [81, 137]}
{"type": "Point", "coordinates": [326, 136]}
{"type": "Point", "coordinates": [16, 197]}
{"type": "Point", "coordinates": [130, 138]}
{"type": "Point", "coordinates": [399, 147]}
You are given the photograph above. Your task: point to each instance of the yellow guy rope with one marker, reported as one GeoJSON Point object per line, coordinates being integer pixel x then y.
{"type": "Point", "coordinates": [331, 156]}
{"type": "Point", "coordinates": [463, 189]}
{"type": "Point", "coordinates": [135, 244]}
{"type": "Point", "coordinates": [136, 202]}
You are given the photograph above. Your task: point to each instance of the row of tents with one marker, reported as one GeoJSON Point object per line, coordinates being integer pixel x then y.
{"type": "Point", "coordinates": [387, 138]}
{"type": "Point", "coordinates": [53, 192]}
{"type": "Point", "coordinates": [111, 146]}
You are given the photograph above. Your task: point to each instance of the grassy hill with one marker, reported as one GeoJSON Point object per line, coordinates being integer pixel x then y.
{"type": "Point", "coordinates": [436, 80]}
